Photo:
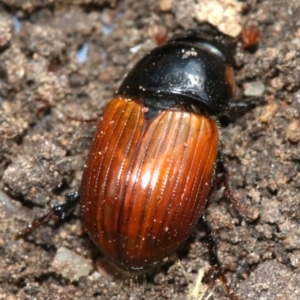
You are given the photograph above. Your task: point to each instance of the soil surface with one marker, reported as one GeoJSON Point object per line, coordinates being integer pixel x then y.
{"type": "Point", "coordinates": [61, 60]}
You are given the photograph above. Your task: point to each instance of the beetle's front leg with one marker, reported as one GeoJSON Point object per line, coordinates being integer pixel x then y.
{"type": "Point", "coordinates": [61, 211]}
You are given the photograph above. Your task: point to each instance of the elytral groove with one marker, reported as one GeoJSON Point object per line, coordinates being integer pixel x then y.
{"type": "Point", "coordinates": [122, 191]}
{"type": "Point", "coordinates": [199, 189]}
{"type": "Point", "coordinates": [197, 184]}
{"type": "Point", "coordinates": [94, 167]}
{"type": "Point", "coordinates": [106, 186]}
{"type": "Point", "coordinates": [171, 129]}
{"type": "Point", "coordinates": [208, 164]}
{"type": "Point", "coordinates": [193, 162]}
{"type": "Point", "coordinates": [205, 175]}
{"type": "Point", "coordinates": [169, 214]}
{"type": "Point", "coordinates": [99, 145]}
{"type": "Point", "coordinates": [160, 150]}
{"type": "Point", "coordinates": [101, 193]}
{"type": "Point", "coordinates": [131, 187]}
{"type": "Point", "coordinates": [174, 163]}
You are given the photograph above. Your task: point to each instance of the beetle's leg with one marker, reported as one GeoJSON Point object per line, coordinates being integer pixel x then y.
{"type": "Point", "coordinates": [221, 177]}
{"type": "Point", "coordinates": [240, 108]}
{"type": "Point", "coordinates": [85, 121]}
{"type": "Point", "coordinates": [216, 271]}
{"type": "Point", "coordinates": [248, 104]}
{"type": "Point", "coordinates": [64, 209]}
{"type": "Point", "coordinates": [212, 243]}
{"type": "Point", "coordinates": [59, 210]}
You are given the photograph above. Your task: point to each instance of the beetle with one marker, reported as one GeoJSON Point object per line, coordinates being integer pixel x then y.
{"type": "Point", "coordinates": [153, 157]}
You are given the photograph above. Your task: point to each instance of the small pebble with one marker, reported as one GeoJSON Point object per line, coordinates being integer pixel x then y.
{"type": "Point", "coordinates": [254, 89]}
{"type": "Point", "coordinates": [71, 265]}
{"type": "Point", "coordinates": [293, 132]}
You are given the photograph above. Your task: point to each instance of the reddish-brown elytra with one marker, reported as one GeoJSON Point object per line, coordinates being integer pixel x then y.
{"type": "Point", "coordinates": [152, 159]}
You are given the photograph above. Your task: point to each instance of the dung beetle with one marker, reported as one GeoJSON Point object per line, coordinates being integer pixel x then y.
{"type": "Point", "coordinates": [152, 160]}
{"type": "Point", "coordinates": [156, 153]}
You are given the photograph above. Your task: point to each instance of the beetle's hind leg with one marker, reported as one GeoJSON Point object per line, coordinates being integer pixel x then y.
{"type": "Point", "coordinates": [221, 178]}
{"type": "Point", "coordinates": [61, 211]}
{"type": "Point", "coordinates": [216, 271]}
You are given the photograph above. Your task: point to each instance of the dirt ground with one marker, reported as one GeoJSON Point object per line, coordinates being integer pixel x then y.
{"type": "Point", "coordinates": [60, 60]}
